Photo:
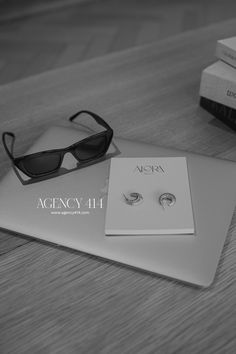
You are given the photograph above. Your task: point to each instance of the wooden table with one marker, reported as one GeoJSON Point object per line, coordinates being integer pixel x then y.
{"type": "Point", "coordinates": [59, 301]}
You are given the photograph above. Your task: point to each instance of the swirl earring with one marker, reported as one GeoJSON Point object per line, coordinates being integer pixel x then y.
{"type": "Point", "coordinates": [167, 199]}
{"type": "Point", "coordinates": [133, 198]}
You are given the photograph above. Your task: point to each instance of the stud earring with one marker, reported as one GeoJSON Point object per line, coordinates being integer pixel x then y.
{"type": "Point", "coordinates": [167, 199]}
{"type": "Point", "coordinates": [133, 198]}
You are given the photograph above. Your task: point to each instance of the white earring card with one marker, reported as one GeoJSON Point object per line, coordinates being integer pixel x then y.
{"type": "Point", "coordinates": [149, 196]}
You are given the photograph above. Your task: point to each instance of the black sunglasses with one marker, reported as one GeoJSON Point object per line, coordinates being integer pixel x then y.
{"type": "Point", "coordinates": [49, 161]}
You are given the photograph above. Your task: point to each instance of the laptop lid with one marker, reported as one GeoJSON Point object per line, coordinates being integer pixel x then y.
{"type": "Point", "coordinates": [190, 258]}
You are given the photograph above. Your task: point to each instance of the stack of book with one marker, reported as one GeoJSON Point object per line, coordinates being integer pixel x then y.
{"type": "Point", "coordinates": [218, 83]}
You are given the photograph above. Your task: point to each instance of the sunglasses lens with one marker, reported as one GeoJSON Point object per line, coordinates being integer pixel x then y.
{"type": "Point", "coordinates": [91, 148]}
{"type": "Point", "coordinates": [39, 165]}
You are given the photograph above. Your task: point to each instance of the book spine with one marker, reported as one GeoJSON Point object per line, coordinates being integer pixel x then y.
{"type": "Point", "coordinates": [227, 54]}
{"type": "Point", "coordinates": [226, 114]}
{"type": "Point", "coordinates": [219, 89]}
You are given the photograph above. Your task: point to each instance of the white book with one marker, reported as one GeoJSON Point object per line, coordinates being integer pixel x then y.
{"type": "Point", "coordinates": [152, 214]}
{"type": "Point", "coordinates": [218, 83]}
{"type": "Point", "coordinates": [226, 50]}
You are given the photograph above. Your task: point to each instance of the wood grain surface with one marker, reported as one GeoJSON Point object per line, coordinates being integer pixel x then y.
{"type": "Point", "coordinates": [34, 39]}
{"type": "Point", "coordinates": [54, 300]}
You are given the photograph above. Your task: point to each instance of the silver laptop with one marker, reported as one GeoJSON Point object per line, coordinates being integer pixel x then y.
{"type": "Point", "coordinates": [46, 210]}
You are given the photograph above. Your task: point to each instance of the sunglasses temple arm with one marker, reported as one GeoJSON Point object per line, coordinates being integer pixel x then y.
{"type": "Point", "coordinates": [8, 151]}
{"type": "Point", "coordinates": [98, 119]}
